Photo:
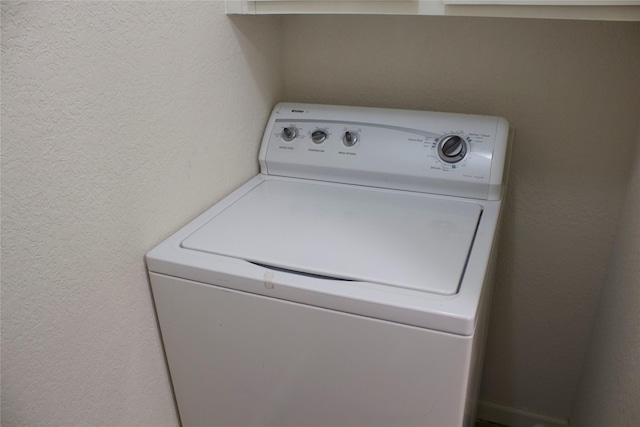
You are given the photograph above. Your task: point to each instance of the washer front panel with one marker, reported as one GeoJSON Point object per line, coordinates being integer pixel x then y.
{"type": "Point", "coordinates": [238, 359]}
{"type": "Point", "coordinates": [394, 238]}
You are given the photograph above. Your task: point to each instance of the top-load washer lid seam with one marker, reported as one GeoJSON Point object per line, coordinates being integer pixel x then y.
{"type": "Point", "coordinates": [374, 187]}
{"type": "Point", "coordinates": [471, 246]}
{"type": "Point", "coordinates": [299, 273]}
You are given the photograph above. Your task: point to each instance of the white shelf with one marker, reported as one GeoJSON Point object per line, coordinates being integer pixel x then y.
{"type": "Point", "coordinates": [602, 10]}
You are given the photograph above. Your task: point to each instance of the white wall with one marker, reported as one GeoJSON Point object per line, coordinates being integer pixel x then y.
{"type": "Point", "coordinates": [609, 392]}
{"type": "Point", "coordinates": [572, 91]}
{"type": "Point", "coordinates": [120, 122]}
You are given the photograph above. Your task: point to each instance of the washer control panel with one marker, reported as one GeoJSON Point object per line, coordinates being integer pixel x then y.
{"type": "Point", "coordinates": [439, 153]}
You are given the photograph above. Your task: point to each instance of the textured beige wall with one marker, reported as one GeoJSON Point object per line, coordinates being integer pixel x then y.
{"type": "Point", "coordinates": [572, 91]}
{"type": "Point", "coordinates": [120, 122]}
{"type": "Point", "coordinates": [609, 392]}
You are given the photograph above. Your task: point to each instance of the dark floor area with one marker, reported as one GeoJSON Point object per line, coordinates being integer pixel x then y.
{"type": "Point", "coordinates": [484, 423]}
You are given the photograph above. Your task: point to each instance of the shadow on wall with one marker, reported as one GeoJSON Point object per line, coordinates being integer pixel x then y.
{"type": "Point", "coordinates": [263, 57]}
{"type": "Point", "coordinates": [503, 292]}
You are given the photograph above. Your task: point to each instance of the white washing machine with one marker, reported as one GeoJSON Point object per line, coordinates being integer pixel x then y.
{"type": "Point", "coordinates": [347, 284]}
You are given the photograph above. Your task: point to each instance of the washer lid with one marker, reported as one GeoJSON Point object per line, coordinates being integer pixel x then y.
{"type": "Point", "coordinates": [362, 234]}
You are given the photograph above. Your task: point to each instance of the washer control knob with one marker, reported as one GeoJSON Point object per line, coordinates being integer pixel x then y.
{"type": "Point", "coordinates": [452, 148]}
{"type": "Point", "coordinates": [289, 133]}
{"type": "Point", "coordinates": [350, 138]}
{"type": "Point", "coordinates": [319, 136]}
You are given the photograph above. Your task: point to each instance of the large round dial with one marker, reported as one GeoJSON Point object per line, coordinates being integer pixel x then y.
{"type": "Point", "coordinates": [452, 148]}
{"type": "Point", "coordinates": [289, 133]}
{"type": "Point", "coordinates": [319, 136]}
